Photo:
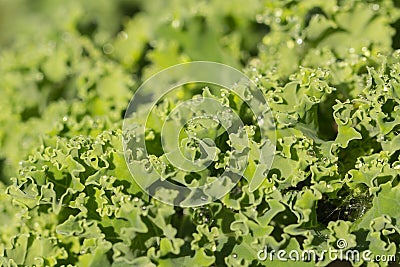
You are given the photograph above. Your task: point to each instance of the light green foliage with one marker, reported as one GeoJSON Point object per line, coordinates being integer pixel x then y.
{"type": "Point", "coordinates": [328, 70]}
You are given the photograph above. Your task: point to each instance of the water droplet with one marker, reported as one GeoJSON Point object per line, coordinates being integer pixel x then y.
{"type": "Point", "coordinates": [299, 41]}
{"type": "Point", "coordinates": [123, 35]}
{"type": "Point", "coordinates": [234, 255]}
{"type": "Point", "coordinates": [310, 153]}
{"type": "Point", "coordinates": [362, 97]}
{"type": "Point", "coordinates": [108, 48]}
{"type": "Point", "coordinates": [375, 7]}
{"type": "Point", "coordinates": [135, 199]}
{"type": "Point", "coordinates": [65, 118]}
{"type": "Point", "coordinates": [176, 23]}
{"type": "Point", "coordinates": [144, 208]}
{"type": "Point", "coordinates": [203, 198]}
{"type": "Point", "coordinates": [259, 18]}
{"type": "Point", "coordinates": [202, 215]}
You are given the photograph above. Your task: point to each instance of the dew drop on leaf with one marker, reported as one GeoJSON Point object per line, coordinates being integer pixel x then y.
{"type": "Point", "coordinates": [375, 7]}
{"type": "Point", "coordinates": [123, 35]}
{"type": "Point", "coordinates": [310, 153]}
{"type": "Point", "coordinates": [202, 215]}
{"type": "Point", "coordinates": [108, 48]}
